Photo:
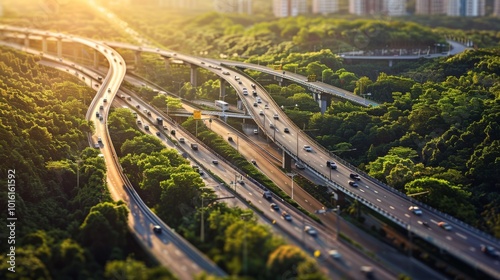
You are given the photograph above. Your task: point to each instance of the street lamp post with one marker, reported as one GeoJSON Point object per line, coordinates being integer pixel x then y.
{"type": "Point", "coordinates": [291, 175]}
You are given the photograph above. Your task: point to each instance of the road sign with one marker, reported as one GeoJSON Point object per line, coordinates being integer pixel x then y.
{"type": "Point", "coordinates": [197, 114]}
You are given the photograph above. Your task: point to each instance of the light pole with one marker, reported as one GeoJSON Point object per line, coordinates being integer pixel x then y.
{"type": "Point", "coordinates": [237, 141]}
{"type": "Point", "coordinates": [291, 175]}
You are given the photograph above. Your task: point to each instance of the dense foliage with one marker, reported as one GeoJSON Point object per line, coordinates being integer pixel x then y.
{"type": "Point", "coordinates": [67, 226]}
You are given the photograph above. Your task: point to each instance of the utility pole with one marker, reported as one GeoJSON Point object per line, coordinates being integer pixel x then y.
{"type": "Point", "coordinates": [291, 175]}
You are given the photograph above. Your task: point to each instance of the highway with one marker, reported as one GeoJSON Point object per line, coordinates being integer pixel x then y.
{"type": "Point", "coordinates": [462, 241]}
{"type": "Point", "coordinates": [169, 249]}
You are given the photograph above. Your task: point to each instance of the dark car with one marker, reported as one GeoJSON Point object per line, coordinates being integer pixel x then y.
{"type": "Point", "coordinates": [286, 130]}
{"type": "Point", "coordinates": [353, 184]}
{"type": "Point", "coordinates": [490, 251]}
{"type": "Point", "coordinates": [286, 216]}
{"type": "Point", "coordinates": [331, 164]}
{"type": "Point", "coordinates": [157, 229]}
{"type": "Point", "coordinates": [355, 176]}
{"type": "Point", "coordinates": [275, 207]}
{"type": "Point", "coordinates": [194, 146]}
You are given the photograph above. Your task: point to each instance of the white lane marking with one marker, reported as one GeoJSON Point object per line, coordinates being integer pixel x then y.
{"type": "Point", "coordinates": [392, 207]}
{"type": "Point", "coordinates": [367, 187]}
{"type": "Point", "coordinates": [461, 235]}
{"type": "Point", "coordinates": [375, 191]}
{"type": "Point", "coordinates": [362, 190]}
{"type": "Point", "coordinates": [379, 200]}
{"type": "Point", "coordinates": [472, 249]}
{"type": "Point", "coordinates": [407, 215]}
{"type": "Point", "coordinates": [449, 238]}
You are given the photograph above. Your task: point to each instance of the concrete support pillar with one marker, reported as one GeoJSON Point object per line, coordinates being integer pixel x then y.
{"type": "Point", "coordinates": [194, 75]}
{"type": "Point", "coordinates": [26, 40]}
{"type": "Point", "coordinates": [59, 48]}
{"type": "Point", "coordinates": [279, 79]}
{"type": "Point", "coordinates": [96, 59]}
{"type": "Point", "coordinates": [44, 44]}
{"type": "Point", "coordinates": [222, 89]}
{"type": "Point", "coordinates": [390, 62]}
{"type": "Point", "coordinates": [324, 101]}
{"type": "Point", "coordinates": [137, 59]}
{"type": "Point", "coordinates": [286, 160]}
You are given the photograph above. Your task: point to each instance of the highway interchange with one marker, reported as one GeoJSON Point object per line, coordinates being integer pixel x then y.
{"type": "Point", "coordinates": [462, 240]}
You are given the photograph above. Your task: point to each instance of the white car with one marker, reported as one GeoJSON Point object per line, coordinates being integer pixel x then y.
{"type": "Point", "coordinates": [334, 254]}
{"type": "Point", "coordinates": [307, 148]}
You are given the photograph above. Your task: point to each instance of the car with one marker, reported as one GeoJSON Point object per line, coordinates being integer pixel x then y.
{"type": "Point", "coordinates": [261, 113]}
{"type": "Point", "coordinates": [266, 106]}
{"type": "Point", "coordinates": [149, 113]}
{"type": "Point", "coordinates": [225, 73]}
{"type": "Point", "coordinates": [240, 181]}
{"type": "Point", "coordinates": [236, 78]}
{"type": "Point", "coordinates": [139, 122]}
{"type": "Point", "coordinates": [146, 127]}
{"type": "Point", "coordinates": [275, 206]}
{"type": "Point", "coordinates": [182, 140]}
{"type": "Point", "coordinates": [165, 127]}
{"type": "Point", "coordinates": [355, 176]}
{"type": "Point", "coordinates": [368, 271]}
{"type": "Point", "coordinates": [311, 231]}
{"type": "Point", "coordinates": [101, 118]}
{"type": "Point", "coordinates": [194, 146]}
{"type": "Point", "coordinates": [286, 130]}
{"type": "Point", "coordinates": [245, 93]}
{"type": "Point", "coordinates": [425, 224]}
{"type": "Point", "coordinates": [239, 82]}
{"type": "Point", "coordinates": [99, 140]}
{"type": "Point", "coordinates": [105, 100]}
{"type": "Point", "coordinates": [490, 251]}
{"type": "Point", "coordinates": [259, 100]}
{"type": "Point", "coordinates": [157, 229]}
{"type": "Point", "coordinates": [276, 117]}
{"type": "Point", "coordinates": [353, 184]}
{"type": "Point", "coordinates": [415, 210]}
{"type": "Point", "coordinates": [255, 104]}
{"type": "Point", "coordinates": [299, 165]}
{"type": "Point", "coordinates": [101, 107]}
{"type": "Point", "coordinates": [255, 131]}
{"type": "Point", "coordinates": [267, 195]}
{"type": "Point", "coordinates": [203, 63]}
{"type": "Point", "coordinates": [334, 254]}
{"type": "Point", "coordinates": [254, 93]}
{"type": "Point", "coordinates": [138, 106]}
{"type": "Point", "coordinates": [214, 161]}
{"type": "Point", "coordinates": [97, 114]}
{"type": "Point", "coordinates": [129, 98]}
{"type": "Point", "coordinates": [286, 216]}
{"type": "Point", "coordinates": [271, 125]}
{"type": "Point", "coordinates": [307, 148]}
{"type": "Point", "coordinates": [109, 89]}
{"type": "Point", "coordinates": [331, 164]}
{"type": "Point", "coordinates": [97, 146]}
{"type": "Point", "coordinates": [252, 85]}
{"type": "Point", "coordinates": [172, 132]}
{"type": "Point", "coordinates": [254, 162]}
{"type": "Point", "coordinates": [158, 134]}
{"type": "Point", "coordinates": [230, 139]}
{"type": "Point", "coordinates": [444, 226]}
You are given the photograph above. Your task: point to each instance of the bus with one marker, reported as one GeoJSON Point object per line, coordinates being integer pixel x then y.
{"type": "Point", "coordinates": [221, 104]}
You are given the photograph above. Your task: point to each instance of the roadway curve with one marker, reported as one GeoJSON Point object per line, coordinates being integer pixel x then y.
{"type": "Point", "coordinates": [463, 241]}
{"type": "Point", "coordinates": [170, 249]}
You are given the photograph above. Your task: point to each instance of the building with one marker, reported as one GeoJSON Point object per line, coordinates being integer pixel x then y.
{"type": "Point", "coordinates": [233, 6]}
{"type": "Point", "coordinates": [430, 7]}
{"type": "Point", "coordinates": [465, 8]}
{"type": "Point", "coordinates": [496, 8]}
{"type": "Point", "coordinates": [289, 8]}
{"type": "Point", "coordinates": [374, 7]}
{"type": "Point", "coordinates": [325, 6]}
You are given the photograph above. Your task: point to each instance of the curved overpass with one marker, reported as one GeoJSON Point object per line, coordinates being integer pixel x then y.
{"type": "Point", "coordinates": [463, 241]}
{"type": "Point", "coordinates": [187, 261]}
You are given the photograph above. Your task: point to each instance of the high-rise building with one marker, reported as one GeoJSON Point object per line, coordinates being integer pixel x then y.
{"type": "Point", "coordinates": [370, 7]}
{"type": "Point", "coordinates": [365, 7]}
{"type": "Point", "coordinates": [496, 8]}
{"type": "Point", "coordinates": [394, 7]}
{"type": "Point", "coordinates": [289, 8]}
{"type": "Point", "coordinates": [430, 7]}
{"type": "Point", "coordinates": [233, 6]}
{"type": "Point", "coordinates": [465, 8]}
{"type": "Point", "coordinates": [325, 6]}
